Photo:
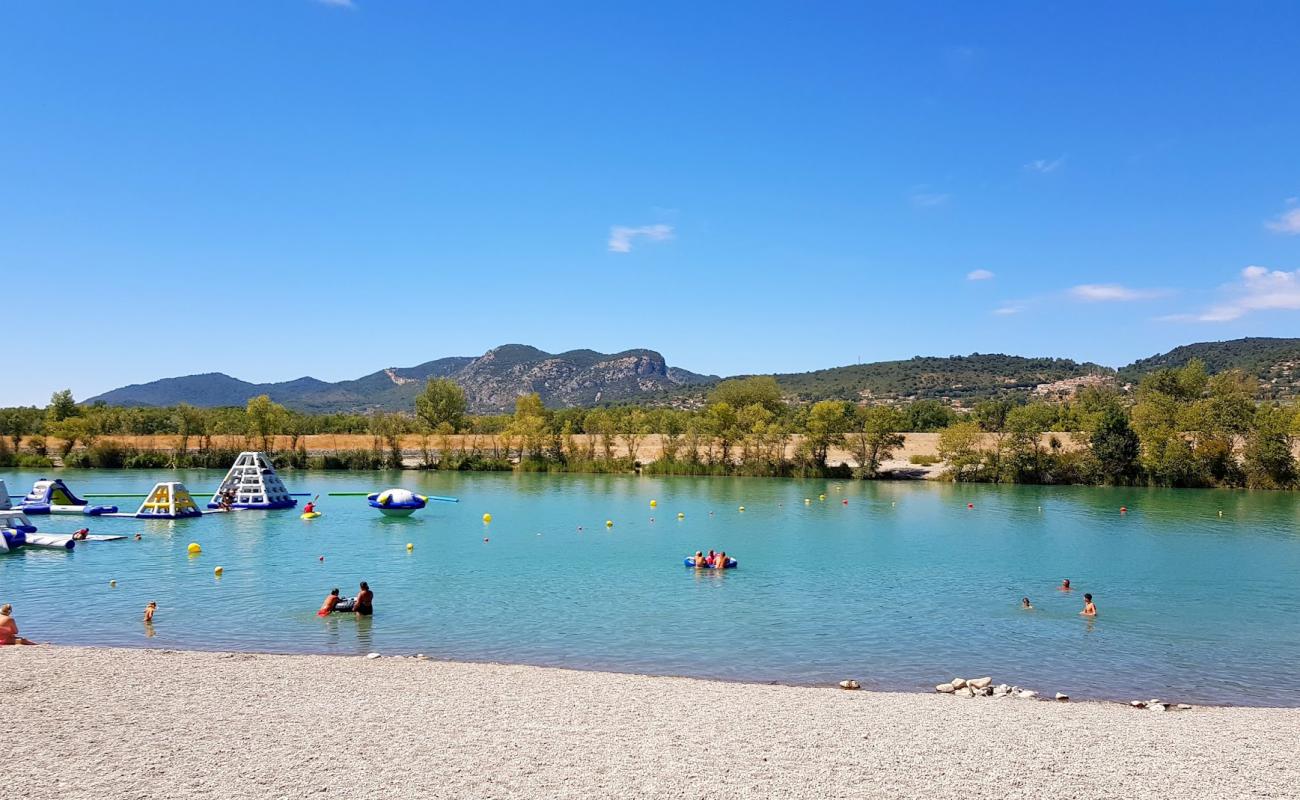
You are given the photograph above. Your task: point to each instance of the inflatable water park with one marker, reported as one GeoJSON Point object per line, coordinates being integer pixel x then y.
{"type": "Point", "coordinates": [168, 500]}
{"type": "Point", "coordinates": [54, 497]}
{"type": "Point", "coordinates": [252, 483]}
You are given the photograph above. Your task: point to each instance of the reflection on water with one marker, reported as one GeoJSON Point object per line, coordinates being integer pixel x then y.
{"type": "Point", "coordinates": [903, 585]}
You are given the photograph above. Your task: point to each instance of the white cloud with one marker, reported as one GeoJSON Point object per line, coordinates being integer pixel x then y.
{"type": "Point", "coordinates": [922, 197]}
{"type": "Point", "coordinates": [1260, 289]}
{"type": "Point", "coordinates": [1008, 310]}
{"type": "Point", "coordinates": [1044, 165]}
{"type": "Point", "coordinates": [621, 236]}
{"type": "Point", "coordinates": [979, 275]}
{"type": "Point", "coordinates": [338, 3]}
{"type": "Point", "coordinates": [1286, 223]}
{"type": "Point", "coordinates": [1112, 293]}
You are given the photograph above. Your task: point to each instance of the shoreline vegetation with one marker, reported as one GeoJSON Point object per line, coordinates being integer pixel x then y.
{"type": "Point", "coordinates": [445, 728]}
{"type": "Point", "coordinates": [1179, 427]}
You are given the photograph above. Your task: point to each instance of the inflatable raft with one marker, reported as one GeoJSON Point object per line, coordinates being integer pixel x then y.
{"type": "Point", "coordinates": [731, 563]}
{"type": "Point", "coordinates": [397, 502]}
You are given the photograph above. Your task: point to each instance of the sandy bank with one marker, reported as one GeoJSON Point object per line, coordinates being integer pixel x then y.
{"type": "Point", "coordinates": [91, 723]}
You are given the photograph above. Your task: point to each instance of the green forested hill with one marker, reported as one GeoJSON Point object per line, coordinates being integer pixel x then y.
{"type": "Point", "coordinates": [955, 377]}
{"type": "Point", "coordinates": [1276, 362]}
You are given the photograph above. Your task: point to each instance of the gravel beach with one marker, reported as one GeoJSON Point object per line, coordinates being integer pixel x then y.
{"type": "Point", "coordinates": [121, 723]}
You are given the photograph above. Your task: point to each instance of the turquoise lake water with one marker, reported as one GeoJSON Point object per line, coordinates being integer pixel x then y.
{"type": "Point", "coordinates": [901, 588]}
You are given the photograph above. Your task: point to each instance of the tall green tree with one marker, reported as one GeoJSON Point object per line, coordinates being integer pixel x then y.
{"type": "Point", "coordinates": [1114, 447]}
{"type": "Point", "coordinates": [828, 421]}
{"type": "Point", "coordinates": [61, 406]}
{"type": "Point", "coordinates": [1026, 460]}
{"type": "Point", "coordinates": [1269, 453]}
{"type": "Point", "coordinates": [960, 444]}
{"type": "Point", "coordinates": [265, 418]}
{"type": "Point", "coordinates": [874, 433]}
{"type": "Point", "coordinates": [441, 404]}
{"type": "Point", "coordinates": [741, 392]}
{"type": "Point", "coordinates": [531, 425]}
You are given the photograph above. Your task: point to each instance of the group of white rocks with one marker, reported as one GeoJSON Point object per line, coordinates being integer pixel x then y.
{"type": "Point", "coordinates": [983, 687]}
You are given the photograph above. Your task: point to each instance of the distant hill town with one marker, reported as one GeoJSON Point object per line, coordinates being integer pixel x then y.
{"type": "Point", "coordinates": [493, 380]}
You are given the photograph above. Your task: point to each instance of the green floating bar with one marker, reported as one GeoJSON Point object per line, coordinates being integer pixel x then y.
{"type": "Point", "coordinates": [193, 492]}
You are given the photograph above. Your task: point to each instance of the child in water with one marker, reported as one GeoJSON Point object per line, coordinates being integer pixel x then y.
{"type": "Point", "coordinates": [148, 611]}
{"type": "Point", "coordinates": [1089, 610]}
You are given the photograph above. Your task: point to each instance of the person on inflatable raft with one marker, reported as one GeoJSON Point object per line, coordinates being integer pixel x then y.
{"type": "Point", "coordinates": [711, 561]}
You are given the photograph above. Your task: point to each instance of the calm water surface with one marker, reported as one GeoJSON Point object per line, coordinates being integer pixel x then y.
{"type": "Point", "coordinates": [902, 587]}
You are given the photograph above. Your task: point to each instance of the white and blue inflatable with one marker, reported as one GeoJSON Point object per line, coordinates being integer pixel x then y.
{"type": "Point", "coordinates": [397, 502]}
{"type": "Point", "coordinates": [54, 497]}
{"type": "Point", "coordinates": [14, 530]}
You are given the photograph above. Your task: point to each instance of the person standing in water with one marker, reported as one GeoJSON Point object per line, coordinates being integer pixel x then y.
{"type": "Point", "coordinates": [9, 628]}
{"type": "Point", "coordinates": [364, 600]}
{"type": "Point", "coordinates": [1089, 610]}
{"type": "Point", "coordinates": [1065, 585]}
{"type": "Point", "coordinates": [148, 611]}
{"type": "Point", "coordinates": [1024, 603]}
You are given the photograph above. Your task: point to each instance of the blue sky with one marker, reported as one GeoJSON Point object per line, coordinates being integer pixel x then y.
{"type": "Point", "coordinates": [287, 187]}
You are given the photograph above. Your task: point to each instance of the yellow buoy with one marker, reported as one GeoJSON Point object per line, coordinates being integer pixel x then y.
{"type": "Point", "coordinates": [113, 584]}
{"type": "Point", "coordinates": [807, 502]}
{"type": "Point", "coordinates": [821, 497]}
{"type": "Point", "coordinates": [194, 548]}
{"type": "Point", "coordinates": [609, 523]}
{"type": "Point", "coordinates": [654, 503]}
{"type": "Point", "coordinates": [742, 508]}
{"type": "Point", "coordinates": [680, 515]}
{"type": "Point", "coordinates": [409, 546]}
{"type": "Point", "coordinates": [487, 517]}
{"type": "Point", "coordinates": [218, 571]}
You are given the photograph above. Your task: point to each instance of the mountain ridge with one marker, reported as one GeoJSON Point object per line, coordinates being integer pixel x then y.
{"type": "Point", "coordinates": [585, 377]}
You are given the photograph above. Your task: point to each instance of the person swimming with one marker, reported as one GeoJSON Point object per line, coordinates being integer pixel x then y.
{"type": "Point", "coordinates": [712, 559]}
{"type": "Point", "coordinates": [1089, 610]}
{"type": "Point", "coordinates": [331, 600]}
{"type": "Point", "coordinates": [1024, 603]}
{"type": "Point", "coordinates": [721, 561]}
{"type": "Point", "coordinates": [700, 561]}
{"type": "Point", "coordinates": [1065, 585]}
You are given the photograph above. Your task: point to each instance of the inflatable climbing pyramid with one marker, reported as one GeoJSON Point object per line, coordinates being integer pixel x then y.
{"type": "Point", "coordinates": [170, 500]}
{"type": "Point", "coordinates": [252, 483]}
{"type": "Point", "coordinates": [5, 502]}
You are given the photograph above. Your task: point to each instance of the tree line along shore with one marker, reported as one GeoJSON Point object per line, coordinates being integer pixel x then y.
{"type": "Point", "coordinates": [1180, 427]}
